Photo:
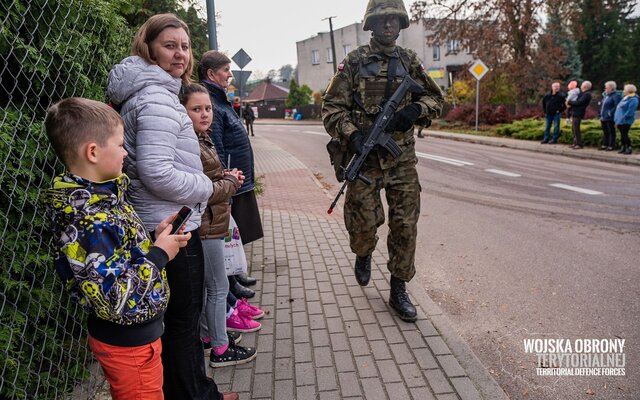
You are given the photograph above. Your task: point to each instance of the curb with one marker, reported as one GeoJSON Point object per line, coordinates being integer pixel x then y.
{"type": "Point", "coordinates": [476, 371]}
{"type": "Point", "coordinates": [485, 383]}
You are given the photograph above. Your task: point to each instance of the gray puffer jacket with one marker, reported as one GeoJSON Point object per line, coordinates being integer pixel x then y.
{"type": "Point", "coordinates": [164, 155]}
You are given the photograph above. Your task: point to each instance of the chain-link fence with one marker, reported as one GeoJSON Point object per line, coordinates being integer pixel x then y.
{"type": "Point", "coordinates": [49, 50]}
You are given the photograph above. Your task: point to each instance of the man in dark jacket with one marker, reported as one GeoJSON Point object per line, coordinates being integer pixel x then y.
{"type": "Point", "coordinates": [608, 104]}
{"type": "Point", "coordinates": [553, 105]}
{"type": "Point", "coordinates": [578, 110]}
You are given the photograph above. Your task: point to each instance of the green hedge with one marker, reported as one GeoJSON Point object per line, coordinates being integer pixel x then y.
{"type": "Point", "coordinates": [52, 50]}
{"type": "Point", "coordinates": [533, 129]}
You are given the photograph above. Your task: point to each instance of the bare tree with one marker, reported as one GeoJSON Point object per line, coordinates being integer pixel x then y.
{"type": "Point", "coordinates": [503, 33]}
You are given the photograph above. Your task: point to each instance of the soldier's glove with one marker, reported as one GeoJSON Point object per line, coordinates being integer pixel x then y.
{"type": "Point", "coordinates": [405, 118]}
{"type": "Point", "coordinates": [355, 142]}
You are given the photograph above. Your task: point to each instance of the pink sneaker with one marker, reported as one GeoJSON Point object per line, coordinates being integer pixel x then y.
{"type": "Point", "coordinates": [247, 310]}
{"type": "Point", "coordinates": [238, 323]}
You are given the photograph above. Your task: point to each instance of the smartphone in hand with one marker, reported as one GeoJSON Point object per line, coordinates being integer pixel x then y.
{"type": "Point", "coordinates": [180, 219]}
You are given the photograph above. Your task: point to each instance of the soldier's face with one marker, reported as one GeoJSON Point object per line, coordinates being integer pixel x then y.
{"type": "Point", "coordinates": [386, 28]}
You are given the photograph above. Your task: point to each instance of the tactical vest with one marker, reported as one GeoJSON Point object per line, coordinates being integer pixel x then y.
{"type": "Point", "coordinates": [373, 86]}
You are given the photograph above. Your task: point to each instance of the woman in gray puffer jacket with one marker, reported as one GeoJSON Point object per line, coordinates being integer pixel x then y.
{"type": "Point", "coordinates": [164, 166]}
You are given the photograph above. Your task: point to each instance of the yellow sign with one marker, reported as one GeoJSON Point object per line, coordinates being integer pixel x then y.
{"type": "Point", "coordinates": [478, 69]}
{"type": "Point", "coordinates": [436, 73]}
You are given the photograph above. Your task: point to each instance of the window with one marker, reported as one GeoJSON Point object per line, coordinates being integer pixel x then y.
{"type": "Point", "coordinates": [315, 57]}
{"type": "Point", "coordinates": [347, 49]}
{"type": "Point", "coordinates": [453, 46]}
{"type": "Point", "coordinates": [329, 55]}
{"type": "Point", "coordinates": [436, 53]}
{"type": "Point", "coordinates": [467, 50]}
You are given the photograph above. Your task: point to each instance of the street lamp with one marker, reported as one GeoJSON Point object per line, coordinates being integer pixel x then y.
{"type": "Point", "coordinates": [333, 45]}
{"type": "Point", "coordinates": [211, 25]}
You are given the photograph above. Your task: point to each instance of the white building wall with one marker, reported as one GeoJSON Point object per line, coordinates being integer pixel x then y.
{"type": "Point", "coordinates": [317, 76]}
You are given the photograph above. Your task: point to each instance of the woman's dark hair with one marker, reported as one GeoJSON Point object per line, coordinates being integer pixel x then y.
{"type": "Point", "coordinates": [189, 89]}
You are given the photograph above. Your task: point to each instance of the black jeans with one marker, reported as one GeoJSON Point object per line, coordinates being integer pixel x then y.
{"type": "Point", "coordinates": [609, 131]}
{"type": "Point", "coordinates": [624, 135]}
{"type": "Point", "coordinates": [577, 135]}
{"type": "Point", "coordinates": [182, 356]}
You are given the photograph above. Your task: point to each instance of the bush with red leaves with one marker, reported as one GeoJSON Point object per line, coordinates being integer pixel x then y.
{"type": "Point", "coordinates": [488, 115]}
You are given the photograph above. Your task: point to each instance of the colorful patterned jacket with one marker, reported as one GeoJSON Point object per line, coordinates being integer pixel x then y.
{"type": "Point", "coordinates": [104, 254]}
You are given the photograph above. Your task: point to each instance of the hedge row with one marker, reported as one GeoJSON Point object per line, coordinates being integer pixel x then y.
{"type": "Point", "coordinates": [533, 129]}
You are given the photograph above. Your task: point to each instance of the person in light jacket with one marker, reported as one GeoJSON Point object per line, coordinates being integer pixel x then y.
{"type": "Point", "coordinates": [164, 166]}
{"type": "Point", "coordinates": [625, 116]}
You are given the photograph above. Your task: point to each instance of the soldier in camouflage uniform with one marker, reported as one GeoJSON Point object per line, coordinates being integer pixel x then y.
{"type": "Point", "coordinates": [368, 76]}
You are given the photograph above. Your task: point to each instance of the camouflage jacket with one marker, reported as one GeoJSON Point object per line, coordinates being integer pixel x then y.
{"type": "Point", "coordinates": [356, 94]}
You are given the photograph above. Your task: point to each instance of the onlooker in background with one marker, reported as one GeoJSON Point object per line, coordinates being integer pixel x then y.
{"type": "Point", "coordinates": [553, 104]}
{"type": "Point", "coordinates": [237, 106]}
{"type": "Point", "coordinates": [90, 216]}
{"type": "Point", "coordinates": [249, 117]}
{"type": "Point", "coordinates": [164, 166]}
{"type": "Point", "coordinates": [234, 149]}
{"type": "Point", "coordinates": [578, 110]}
{"type": "Point", "coordinates": [215, 224]}
{"type": "Point", "coordinates": [572, 94]}
{"type": "Point", "coordinates": [625, 116]}
{"type": "Point", "coordinates": [608, 104]}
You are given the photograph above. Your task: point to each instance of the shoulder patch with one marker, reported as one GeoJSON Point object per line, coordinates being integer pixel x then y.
{"type": "Point", "coordinates": [422, 66]}
{"type": "Point", "coordinates": [340, 66]}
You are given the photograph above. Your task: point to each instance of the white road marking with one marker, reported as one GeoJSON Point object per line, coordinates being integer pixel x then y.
{"type": "Point", "coordinates": [505, 173]}
{"type": "Point", "coordinates": [575, 188]}
{"type": "Point", "coordinates": [452, 161]}
{"type": "Point", "coordinates": [317, 133]}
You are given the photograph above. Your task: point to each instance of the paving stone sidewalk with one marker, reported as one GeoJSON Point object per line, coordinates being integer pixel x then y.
{"type": "Point", "coordinates": [324, 336]}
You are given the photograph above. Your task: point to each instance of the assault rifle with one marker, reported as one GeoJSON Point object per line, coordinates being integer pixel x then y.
{"type": "Point", "coordinates": [377, 136]}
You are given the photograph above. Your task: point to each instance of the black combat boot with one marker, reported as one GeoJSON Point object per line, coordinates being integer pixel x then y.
{"type": "Point", "coordinates": [399, 301]}
{"type": "Point", "coordinates": [363, 270]}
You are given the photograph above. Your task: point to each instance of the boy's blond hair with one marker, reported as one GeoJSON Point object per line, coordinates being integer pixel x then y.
{"type": "Point", "coordinates": [75, 121]}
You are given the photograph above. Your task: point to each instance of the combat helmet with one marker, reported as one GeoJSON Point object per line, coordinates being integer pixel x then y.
{"type": "Point", "coordinates": [377, 8]}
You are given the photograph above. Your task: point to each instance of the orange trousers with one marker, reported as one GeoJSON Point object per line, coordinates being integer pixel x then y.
{"type": "Point", "coordinates": [134, 373]}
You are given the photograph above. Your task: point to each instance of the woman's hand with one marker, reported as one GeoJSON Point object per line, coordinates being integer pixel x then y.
{"type": "Point", "coordinates": [237, 174]}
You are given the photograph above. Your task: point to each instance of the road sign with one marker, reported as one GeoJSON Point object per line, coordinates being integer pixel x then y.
{"type": "Point", "coordinates": [241, 78]}
{"type": "Point", "coordinates": [478, 69]}
{"type": "Point", "coordinates": [241, 58]}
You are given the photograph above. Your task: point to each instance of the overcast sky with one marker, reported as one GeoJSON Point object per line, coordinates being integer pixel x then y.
{"type": "Point", "coordinates": [269, 29]}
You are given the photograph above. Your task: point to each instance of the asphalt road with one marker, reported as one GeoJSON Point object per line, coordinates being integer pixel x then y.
{"type": "Point", "coordinates": [517, 245]}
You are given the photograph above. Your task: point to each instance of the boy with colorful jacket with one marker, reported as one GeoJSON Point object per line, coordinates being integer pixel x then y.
{"type": "Point", "coordinates": [102, 251]}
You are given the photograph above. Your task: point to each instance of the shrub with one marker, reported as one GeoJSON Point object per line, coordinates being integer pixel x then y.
{"type": "Point", "coordinates": [533, 129]}
{"type": "Point", "coordinates": [529, 112]}
{"type": "Point", "coordinates": [489, 115]}
{"type": "Point", "coordinates": [51, 50]}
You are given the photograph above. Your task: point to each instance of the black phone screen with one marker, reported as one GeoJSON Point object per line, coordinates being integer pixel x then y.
{"type": "Point", "coordinates": [180, 219]}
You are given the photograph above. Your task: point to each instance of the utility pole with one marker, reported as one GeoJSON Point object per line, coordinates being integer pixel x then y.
{"type": "Point", "coordinates": [333, 44]}
{"type": "Point", "coordinates": [211, 25]}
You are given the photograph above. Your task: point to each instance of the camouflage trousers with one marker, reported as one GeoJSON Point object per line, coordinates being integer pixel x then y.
{"type": "Point", "coordinates": [363, 214]}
